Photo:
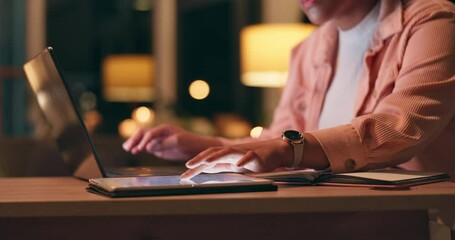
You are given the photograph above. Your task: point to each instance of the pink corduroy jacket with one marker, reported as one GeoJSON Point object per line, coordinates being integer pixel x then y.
{"type": "Point", "coordinates": [405, 103]}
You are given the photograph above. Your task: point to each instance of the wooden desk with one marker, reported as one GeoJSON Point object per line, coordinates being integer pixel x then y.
{"type": "Point", "coordinates": [59, 207]}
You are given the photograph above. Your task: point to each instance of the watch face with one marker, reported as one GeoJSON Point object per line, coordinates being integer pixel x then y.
{"type": "Point", "coordinates": [292, 135]}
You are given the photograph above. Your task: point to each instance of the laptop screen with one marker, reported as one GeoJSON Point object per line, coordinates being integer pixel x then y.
{"type": "Point", "coordinates": [65, 122]}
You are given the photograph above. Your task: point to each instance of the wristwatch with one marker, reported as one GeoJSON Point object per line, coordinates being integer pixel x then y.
{"type": "Point", "coordinates": [296, 140]}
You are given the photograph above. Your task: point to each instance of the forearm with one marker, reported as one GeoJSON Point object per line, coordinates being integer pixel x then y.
{"type": "Point", "coordinates": [313, 154]}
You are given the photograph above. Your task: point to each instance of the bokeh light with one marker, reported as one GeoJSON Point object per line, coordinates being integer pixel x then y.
{"type": "Point", "coordinates": [127, 128]}
{"type": "Point", "coordinates": [143, 115]}
{"type": "Point", "coordinates": [199, 89]}
{"type": "Point", "coordinates": [256, 132]}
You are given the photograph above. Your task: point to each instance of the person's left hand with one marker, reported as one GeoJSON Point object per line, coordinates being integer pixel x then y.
{"type": "Point", "coordinates": [261, 156]}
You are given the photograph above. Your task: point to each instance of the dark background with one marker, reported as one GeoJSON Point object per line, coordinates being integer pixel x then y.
{"type": "Point", "coordinates": [84, 32]}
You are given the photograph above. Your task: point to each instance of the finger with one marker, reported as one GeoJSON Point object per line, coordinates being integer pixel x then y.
{"type": "Point", "coordinates": [157, 133]}
{"type": "Point", "coordinates": [146, 139]}
{"type": "Point", "coordinates": [216, 168]}
{"type": "Point", "coordinates": [153, 146]}
{"type": "Point", "coordinates": [190, 173]}
{"type": "Point", "coordinates": [224, 167]}
{"type": "Point", "coordinates": [133, 140]}
{"type": "Point", "coordinates": [232, 159]}
{"type": "Point", "coordinates": [162, 143]}
{"type": "Point", "coordinates": [250, 161]}
{"type": "Point", "coordinates": [225, 155]}
{"type": "Point", "coordinates": [247, 158]}
{"type": "Point", "coordinates": [184, 181]}
{"type": "Point", "coordinates": [214, 156]}
{"type": "Point", "coordinates": [199, 158]}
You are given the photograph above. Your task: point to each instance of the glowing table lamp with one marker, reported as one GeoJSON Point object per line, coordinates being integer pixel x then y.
{"type": "Point", "coordinates": [128, 78]}
{"type": "Point", "coordinates": [265, 51]}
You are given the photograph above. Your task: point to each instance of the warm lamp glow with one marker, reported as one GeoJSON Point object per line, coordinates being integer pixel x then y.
{"type": "Point", "coordinates": [127, 128]}
{"type": "Point", "coordinates": [265, 52]}
{"type": "Point", "coordinates": [199, 89]}
{"type": "Point", "coordinates": [128, 78]}
{"type": "Point", "coordinates": [143, 115]}
{"type": "Point", "coordinates": [232, 126]}
{"type": "Point", "coordinates": [256, 132]}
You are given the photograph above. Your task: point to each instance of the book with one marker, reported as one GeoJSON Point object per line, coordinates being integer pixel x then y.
{"type": "Point", "coordinates": [375, 178]}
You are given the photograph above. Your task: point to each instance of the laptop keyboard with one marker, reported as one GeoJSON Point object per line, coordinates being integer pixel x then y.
{"type": "Point", "coordinates": [145, 171]}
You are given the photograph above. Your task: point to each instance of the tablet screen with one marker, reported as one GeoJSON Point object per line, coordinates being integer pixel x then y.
{"type": "Point", "coordinates": [174, 181]}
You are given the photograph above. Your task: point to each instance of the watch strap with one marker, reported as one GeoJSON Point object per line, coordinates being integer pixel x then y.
{"type": "Point", "coordinates": [298, 153]}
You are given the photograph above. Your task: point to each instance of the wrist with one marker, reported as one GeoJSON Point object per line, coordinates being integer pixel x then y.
{"type": "Point", "coordinates": [286, 153]}
{"type": "Point", "coordinates": [315, 156]}
{"type": "Point", "coordinates": [297, 142]}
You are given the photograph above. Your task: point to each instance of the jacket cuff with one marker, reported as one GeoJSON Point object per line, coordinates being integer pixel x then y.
{"type": "Point", "coordinates": [343, 148]}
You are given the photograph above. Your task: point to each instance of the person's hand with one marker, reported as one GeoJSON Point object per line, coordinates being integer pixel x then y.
{"type": "Point", "coordinates": [261, 156]}
{"type": "Point", "coordinates": [169, 142]}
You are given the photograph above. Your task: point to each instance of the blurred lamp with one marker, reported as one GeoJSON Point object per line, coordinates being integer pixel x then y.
{"type": "Point", "coordinates": [127, 128]}
{"type": "Point", "coordinates": [128, 78]}
{"type": "Point", "coordinates": [256, 132]}
{"type": "Point", "coordinates": [265, 52]}
{"type": "Point", "coordinates": [141, 117]}
{"type": "Point", "coordinates": [199, 89]}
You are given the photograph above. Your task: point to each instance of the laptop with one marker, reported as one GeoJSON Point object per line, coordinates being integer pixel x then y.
{"type": "Point", "coordinates": [67, 126]}
{"type": "Point", "coordinates": [77, 147]}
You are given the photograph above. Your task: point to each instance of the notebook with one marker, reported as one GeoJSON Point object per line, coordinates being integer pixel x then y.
{"type": "Point", "coordinates": [381, 178]}
{"type": "Point", "coordinates": [79, 152]}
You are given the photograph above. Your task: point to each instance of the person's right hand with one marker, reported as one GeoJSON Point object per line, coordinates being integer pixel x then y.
{"type": "Point", "coordinates": [169, 142]}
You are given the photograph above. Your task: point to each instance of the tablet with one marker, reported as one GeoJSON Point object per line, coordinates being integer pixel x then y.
{"type": "Point", "coordinates": [173, 185]}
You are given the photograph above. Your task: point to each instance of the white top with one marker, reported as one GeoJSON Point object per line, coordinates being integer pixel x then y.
{"type": "Point", "coordinates": [352, 46]}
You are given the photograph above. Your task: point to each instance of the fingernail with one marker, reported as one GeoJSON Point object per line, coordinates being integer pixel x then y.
{"type": "Point", "coordinates": [126, 146]}
{"type": "Point", "coordinates": [185, 175]}
{"type": "Point", "coordinates": [140, 147]}
{"type": "Point", "coordinates": [240, 163]}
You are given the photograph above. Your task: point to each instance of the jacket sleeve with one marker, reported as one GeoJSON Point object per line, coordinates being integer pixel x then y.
{"type": "Point", "coordinates": [419, 108]}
